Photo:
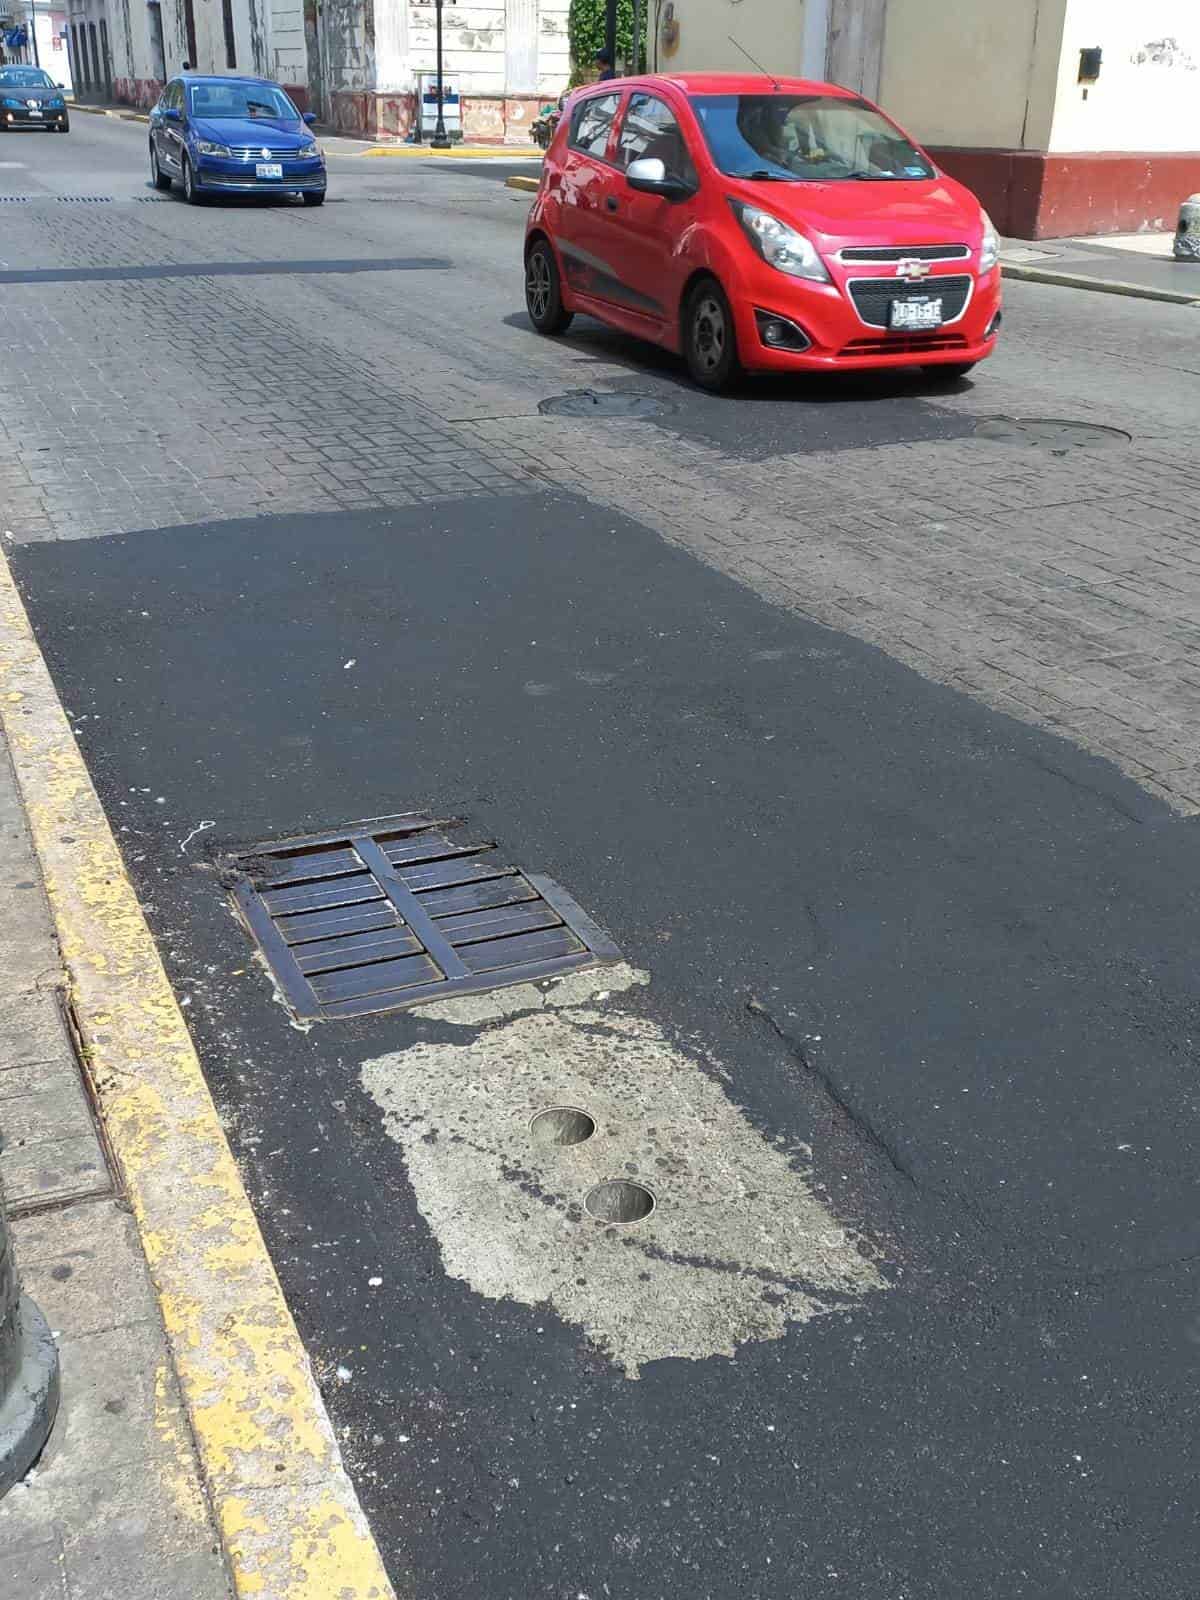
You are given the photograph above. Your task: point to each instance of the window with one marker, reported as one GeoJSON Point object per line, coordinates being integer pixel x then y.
{"type": "Point", "coordinates": [173, 96]}
{"type": "Point", "coordinates": [591, 124]}
{"type": "Point", "coordinates": [809, 138]}
{"type": "Point", "coordinates": [649, 129]}
{"type": "Point", "coordinates": [25, 78]}
{"type": "Point", "coordinates": [216, 99]}
{"type": "Point", "coordinates": [230, 43]}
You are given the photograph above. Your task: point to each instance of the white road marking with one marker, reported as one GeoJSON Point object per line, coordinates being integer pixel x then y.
{"type": "Point", "coordinates": [738, 1246]}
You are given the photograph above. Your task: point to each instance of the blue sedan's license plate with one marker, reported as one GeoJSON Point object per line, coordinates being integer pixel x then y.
{"type": "Point", "coordinates": [269, 169]}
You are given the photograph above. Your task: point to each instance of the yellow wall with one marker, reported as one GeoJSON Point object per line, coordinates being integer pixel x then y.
{"type": "Point", "coordinates": [973, 72]}
{"type": "Point", "coordinates": [1148, 94]}
{"type": "Point", "coordinates": [771, 30]}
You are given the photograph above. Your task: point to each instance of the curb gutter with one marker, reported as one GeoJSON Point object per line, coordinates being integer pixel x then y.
{"type": "Point", "coordinates": [103, 111]}
{"type": "Point", "coordinates": [289, 1521]}
{"type": "Point", "coordinates": [526, 185]}
{"type": "Point", "coordinates": [1076, 280]}
{"type": "Point", "coordinates": [458, 152]}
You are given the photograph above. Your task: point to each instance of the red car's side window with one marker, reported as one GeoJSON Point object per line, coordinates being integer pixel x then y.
{"type": "Point", "coordinates": [592, 124]}
{"type": "Point", "coordinates": [650, 128]}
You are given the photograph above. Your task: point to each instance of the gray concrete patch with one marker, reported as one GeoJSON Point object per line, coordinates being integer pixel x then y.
{"type": "Point", "coordinates": [736, 1247]}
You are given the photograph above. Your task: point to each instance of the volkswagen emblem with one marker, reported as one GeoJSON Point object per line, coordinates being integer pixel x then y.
{"type": "Point", "coordinates": [266, 155]}
{"type": "Point", "coordinates": [912, 267]}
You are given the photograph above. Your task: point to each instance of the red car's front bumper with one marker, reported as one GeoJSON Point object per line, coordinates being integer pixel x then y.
{"type": "Point", "coordinates": [840, 335]}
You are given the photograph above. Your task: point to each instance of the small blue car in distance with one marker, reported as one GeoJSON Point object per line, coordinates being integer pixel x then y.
{"type": "Point", "coordinates": [233, 135]}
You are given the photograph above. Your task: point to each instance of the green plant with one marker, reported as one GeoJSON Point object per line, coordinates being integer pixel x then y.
{"type": "Point", "coordinates": [585, 30]}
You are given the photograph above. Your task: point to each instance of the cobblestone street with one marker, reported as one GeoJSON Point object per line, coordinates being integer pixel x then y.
{"type": "Point", "coordinates": [1058, 583]}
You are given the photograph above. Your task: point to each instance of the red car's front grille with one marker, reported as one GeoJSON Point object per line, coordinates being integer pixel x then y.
{"type": "Point", "coordinates": [905, 345]}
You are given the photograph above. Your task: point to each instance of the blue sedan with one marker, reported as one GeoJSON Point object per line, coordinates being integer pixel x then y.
{"type": "Point", "coordinates": [233, 136]}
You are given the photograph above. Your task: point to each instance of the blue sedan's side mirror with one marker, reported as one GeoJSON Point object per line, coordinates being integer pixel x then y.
{"type": "Point", "coordinates": [171, 114]}
{"type": "Point", "coordinates": [309, 117]}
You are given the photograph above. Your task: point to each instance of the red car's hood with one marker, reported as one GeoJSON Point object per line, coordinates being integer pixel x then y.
{"type": "Point", "coordinates": [893, 211]}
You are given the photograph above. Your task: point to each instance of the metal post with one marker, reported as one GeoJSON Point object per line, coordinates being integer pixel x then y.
{"type": "Point", "coordinates": [610, 31]}
{"type": "Point", "coordinates": [635, 68]}
{"type": "Point", "coordinates": [28, 1371]}
{"type": "Point", "coordinates": [440, 141]}
{"type": "Point", "coordinates": [37, 60]}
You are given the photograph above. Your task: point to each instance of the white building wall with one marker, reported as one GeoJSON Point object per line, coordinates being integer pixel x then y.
{"type": "Point", "coordinates": [553, 49]}
{"type": "Point", "coordinates": [1148, 94]}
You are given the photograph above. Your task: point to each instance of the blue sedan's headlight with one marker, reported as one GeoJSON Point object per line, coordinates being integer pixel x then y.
{"type": "Point", "coordinates": [310, 152]}
{"type": "Point", "coordinates": [8, 101]}
{"type": "Point", "coordinates": [205, 147]}
{"type": "Point", "coordinates": [56, 104]}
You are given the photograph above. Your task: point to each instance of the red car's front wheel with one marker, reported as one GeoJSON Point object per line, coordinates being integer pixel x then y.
{"type": "Point", "coordinates": [709, 338]}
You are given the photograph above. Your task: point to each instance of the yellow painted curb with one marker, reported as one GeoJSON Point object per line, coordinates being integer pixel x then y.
{"type": "Point", "coordinates": [472, 152]}
{"type": "Point", "coordinates": [527, 185]}
{"type": "Point", "coordinates": [288, 1518]}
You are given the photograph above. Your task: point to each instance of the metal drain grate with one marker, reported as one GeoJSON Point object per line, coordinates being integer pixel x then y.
{"type": "Point", "coordinates": [386, 913]}
{"type": "Point", "coordinates": [84, 199]}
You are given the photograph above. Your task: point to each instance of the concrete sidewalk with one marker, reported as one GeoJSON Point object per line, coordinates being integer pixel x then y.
{"type": "Point", "coordinates": [1141, 267]}
{"type": "Point", "coordinates": [115, 1505]}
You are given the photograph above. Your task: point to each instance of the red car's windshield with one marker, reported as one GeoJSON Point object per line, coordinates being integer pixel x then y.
{"type": "Point", "coordinates": [805, 138]}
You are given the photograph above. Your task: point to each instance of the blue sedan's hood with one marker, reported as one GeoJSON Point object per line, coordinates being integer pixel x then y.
{"type": "Point", "coordinates": [253, 131]}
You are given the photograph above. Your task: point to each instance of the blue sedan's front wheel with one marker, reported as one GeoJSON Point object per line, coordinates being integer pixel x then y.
{"type": "Point", "coordinates": [314, 197]}
{"type": "Point", "coordinates": [191, 190]}
{"type": "Point", "coordinates": [157, 176]}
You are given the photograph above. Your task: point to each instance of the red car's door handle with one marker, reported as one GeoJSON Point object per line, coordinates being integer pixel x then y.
{"type": "Point", "coordinates": [611, 203]}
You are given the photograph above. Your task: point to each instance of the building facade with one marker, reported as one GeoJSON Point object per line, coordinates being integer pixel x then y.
{"type": "Point", "coordinates": [1065, 116]}
{"type": "Point", "coordinates": [356, 63]}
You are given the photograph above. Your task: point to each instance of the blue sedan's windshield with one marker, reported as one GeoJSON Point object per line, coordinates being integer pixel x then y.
{"type": "Point", "coordinates": [213, 101]}
{"type": "Point", "coordinates": [25, 78]}
{"type": "Point", "coordinates": [813, 138]}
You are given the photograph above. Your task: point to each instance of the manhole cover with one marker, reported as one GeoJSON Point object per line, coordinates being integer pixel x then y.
{"type": "Point", "coordinates": [1049, 433]}
{"type": "Point", "coordinates": [382, 915]}
{"type": "Point", "coordinates": [589, 403]}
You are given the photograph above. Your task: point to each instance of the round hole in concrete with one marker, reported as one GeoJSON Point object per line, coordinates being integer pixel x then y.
{"type": "Point", "coordinates": [562, 1125]}
{"type": "Point", "coordinates": [619, 1201]}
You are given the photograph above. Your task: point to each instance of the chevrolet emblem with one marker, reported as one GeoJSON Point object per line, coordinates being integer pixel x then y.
{"type": "Point", "coordinates": [911, 267]}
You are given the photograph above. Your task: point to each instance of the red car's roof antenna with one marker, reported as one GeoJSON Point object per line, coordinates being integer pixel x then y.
{"type": "Point", "coordinates": [775, 83]}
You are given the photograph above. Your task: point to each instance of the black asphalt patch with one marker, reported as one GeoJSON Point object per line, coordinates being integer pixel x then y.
{"type": "Point", "coordinates": [952, 954]}
{"type": "Point", "coordinates": [226, 269]}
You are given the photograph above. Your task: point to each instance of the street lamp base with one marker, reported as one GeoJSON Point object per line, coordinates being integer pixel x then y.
{"type": "Point", "coordinates": [440, 144]}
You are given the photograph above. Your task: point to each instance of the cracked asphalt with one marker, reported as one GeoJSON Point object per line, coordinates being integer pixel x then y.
{"type": "Point", "coordinates": [916, 1005]}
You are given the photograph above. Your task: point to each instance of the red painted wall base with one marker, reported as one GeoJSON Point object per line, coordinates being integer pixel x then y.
{"type": "Point", "coordinates": [1032, 195]}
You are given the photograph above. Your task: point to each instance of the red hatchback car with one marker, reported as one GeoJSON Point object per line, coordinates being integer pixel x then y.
{"type": "Point", "coordinates": [749, 222]}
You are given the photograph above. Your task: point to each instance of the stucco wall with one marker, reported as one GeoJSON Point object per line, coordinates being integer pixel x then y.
{"type": "Point", "coordinates": [1148, 94]}
{"type": "Point", "coordinates": [771, 30]}
{"type": "Point", "coordinates": [972, 73]}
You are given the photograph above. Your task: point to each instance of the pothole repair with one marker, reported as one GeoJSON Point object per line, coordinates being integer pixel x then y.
{"type": "Point", "coordinates": [593, 403]}
{"type": "Point", "coordinates": [1055, 434]}
{"type": "Point", "coordinates": [677, 1230]}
